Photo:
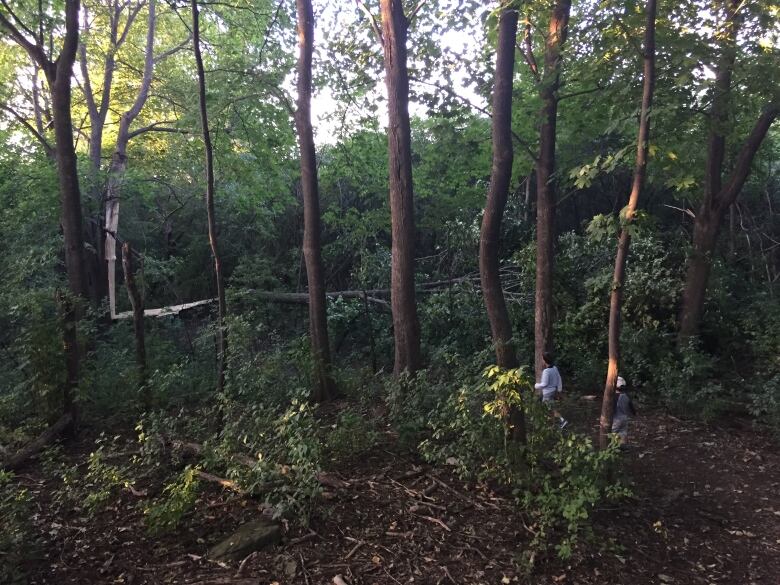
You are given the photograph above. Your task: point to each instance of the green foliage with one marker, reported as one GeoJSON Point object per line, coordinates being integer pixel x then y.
{"type": "Point", "coordinates": [177, 499]}
{"type": "Point", "coordinates": [17, 538]}
{"type": "Point", "coordinates": [557, 478]}
{"type": "Point", "coordinates": [350, 436]}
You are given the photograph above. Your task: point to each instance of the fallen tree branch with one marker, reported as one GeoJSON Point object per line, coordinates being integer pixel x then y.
{"type": "Point", "coordinates": [37, 445]}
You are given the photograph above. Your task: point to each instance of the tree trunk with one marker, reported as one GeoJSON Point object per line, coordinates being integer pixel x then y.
{"type": "Point", "coordinates": [500, 177]}
{"type": "Point", "coordinates": [324, 387]}
{"type": "Point", "coordinates": [136, 301]}
{"type": "Point", "coordinates": [212, 221]}
{"type": "Point", "coordinates": [545, 189]}
{"type": "Point", "coordinates": [406, 327]}
{"type": "Point", "coordinates": [59, 76]}
{"type": "Point", "coordinates": [118, 167]}
{"type": "Point", "coordinates": [619, 277]}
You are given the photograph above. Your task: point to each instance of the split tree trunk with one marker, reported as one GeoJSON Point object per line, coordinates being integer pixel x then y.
{"type": "Point", "coordinates": [406, 327]}
{"type": "Point", "coordinates": [212, 221]}
{"type": "Point", "coordinates": [136, 301]}
{"type": "Point", "coordinates": [324, 387]}
{"type": "Point", "coordinates": [717, 197]}
{"type": "Point", "coordinates": [500, 177]}
{"type": "Point", "coordinates": [619, 277]}
{"type": "Point", "coordinates": [118, 167]}
{"type": "Point", "coordinates": [545, 188]}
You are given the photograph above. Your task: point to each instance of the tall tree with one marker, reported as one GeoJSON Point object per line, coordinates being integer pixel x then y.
{"type": "Point", "coordinates": [118, 165]}
{"type": "Point", "coordinates": [58, 71]}
{"type": "Point", "coordinates": [500, 177]}
{"type": "Point", "coordinates": [545, 188]}
{"type": "Point", "coordinates": [719, 197]}
{"type": "Point", "coordinates": [406, 327]}
{"type": "Point", "coordinates": [212, 221]}
{"type": "Point", "coordinates": [318, 320]}
{"type": "Point", "coordinates": [619, 275]}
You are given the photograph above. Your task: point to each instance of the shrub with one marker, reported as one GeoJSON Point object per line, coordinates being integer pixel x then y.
{"type": "Point", "coordinates": [557, 478]}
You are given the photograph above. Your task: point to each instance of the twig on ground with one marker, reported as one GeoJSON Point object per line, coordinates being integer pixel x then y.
{"type": "Point", "coordinates": [243, 564]}
{"type": "Point", "coordinates": [436, 521]}
{"type": "Point", "coordinates": [354, 550]}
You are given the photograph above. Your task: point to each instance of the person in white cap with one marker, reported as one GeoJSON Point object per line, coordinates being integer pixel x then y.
{"type": "Point", "coordinates": [623, 411]}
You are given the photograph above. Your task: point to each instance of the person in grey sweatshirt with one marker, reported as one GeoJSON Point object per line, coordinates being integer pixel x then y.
{"type": "Point", "coordinates": [623, 411]}
{"type": "Point", "coordinates": [551, 386]}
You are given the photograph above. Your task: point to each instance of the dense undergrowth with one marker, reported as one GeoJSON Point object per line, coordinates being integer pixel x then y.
{"type": "Point", "coordinates": [451, 414]}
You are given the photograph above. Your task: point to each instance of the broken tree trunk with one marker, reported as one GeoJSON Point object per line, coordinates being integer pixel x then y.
{"type": "Point", "coordinates": [136, 301]}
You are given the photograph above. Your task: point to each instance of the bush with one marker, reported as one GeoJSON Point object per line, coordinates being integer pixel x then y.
{"type": "Point", "coordinates": [352, 435]}
{"type": "Point", "coordinates": [17, 540]}
{"type": "Point", "coordinates": [557, 478]}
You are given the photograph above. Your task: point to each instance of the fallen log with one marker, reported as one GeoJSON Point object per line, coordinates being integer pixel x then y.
{"type": "Point", "coordinates": [369, 295]}
{"type": "Point", "coordinates": [37, 445]}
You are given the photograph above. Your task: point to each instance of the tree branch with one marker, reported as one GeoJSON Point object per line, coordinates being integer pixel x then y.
{"type": "Point", "coordinates": [156, 128]}
{"type": "Point", "coordinates": [581, 92]}
{"type": "Point", "coordinates": [19, 118]}
{"type": "Point", "coordinates": [372, 20]}
{"type": "Point", "coordinates": [34, 50]}
{"type": "Point", "coordinates": [729, 193]}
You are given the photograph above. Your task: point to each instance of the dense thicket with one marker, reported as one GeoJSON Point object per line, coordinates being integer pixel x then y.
{"type": "Point", "coordinates": [388, 208]}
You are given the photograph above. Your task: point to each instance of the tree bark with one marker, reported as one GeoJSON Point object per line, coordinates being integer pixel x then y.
{"type": "Point", "coordinates": [136, 301]}
{"type": "Point", "coordinates": [212, 221]}
{"type": "Point", "coordinates": [545, 188]}
{"type": "Point", "coordinates": [118, 165]}
{"type": "Point", "coordinates": [406, 327]}
{"type": "Point", "coordinates": [619, 277]}
{"type": "Point", "coordinates": [718, 198]}
{"type": "Point", "coordinates": [500, 177]}
{"type": "Point", "coordinates": [324, 387]}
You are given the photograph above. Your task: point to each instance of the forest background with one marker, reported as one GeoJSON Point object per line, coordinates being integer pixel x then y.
{"type": "Point", "coordinates": [244, 372]}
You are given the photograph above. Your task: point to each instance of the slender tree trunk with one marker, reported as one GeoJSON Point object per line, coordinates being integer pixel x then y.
{"type": "Point", "coordinates": [212, 221]}
{"type": "Point", "coordinates": [545, 188]}
{"type": "Point", "coordinates": [324, 387]}
{"type": "Point", "coordinates": [500, 177]}
{"type": "Point", "coordinates": [619, 277]}
{"type": "Point", "coordinates": [136, 301]}
{"type": "Point", "coordinates": [406, 327]}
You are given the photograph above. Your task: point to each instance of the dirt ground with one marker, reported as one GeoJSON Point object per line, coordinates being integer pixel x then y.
{"type": "Point", "coordinates": [706, 509]}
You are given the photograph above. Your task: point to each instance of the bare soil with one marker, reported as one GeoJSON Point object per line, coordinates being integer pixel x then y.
{"type": "Point", "coordinates": [706, 509]}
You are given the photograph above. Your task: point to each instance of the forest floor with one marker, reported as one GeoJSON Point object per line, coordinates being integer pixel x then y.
{"type": "Point", "coordinates": [705, 509]}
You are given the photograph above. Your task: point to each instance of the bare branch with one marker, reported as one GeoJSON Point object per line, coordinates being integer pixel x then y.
{"type": "Point", "coordinates": [21, 119]}
{"type": "Point", "coordinates": [173, 50]}
{"type": "Point", "coordinates": [156, 127]}
{"type": "Point", "coordinates": [415, 10]}
{"type": "Point", "coordinates": [372, 20]}
{"type": "Point", "coordinates": [581, 92]}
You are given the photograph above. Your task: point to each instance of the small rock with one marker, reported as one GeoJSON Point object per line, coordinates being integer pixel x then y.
{"type": "Point", "coordinates": [250, 537]}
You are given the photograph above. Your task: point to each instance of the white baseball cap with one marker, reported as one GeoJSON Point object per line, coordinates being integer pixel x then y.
{"type": "Point", "coordinates": [620, 382]}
